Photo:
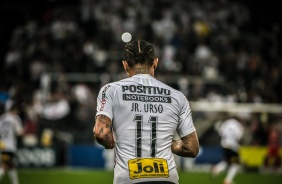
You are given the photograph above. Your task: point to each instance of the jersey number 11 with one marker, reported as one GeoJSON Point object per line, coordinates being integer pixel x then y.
{"type": "Point", "coordinates": [139, 121]}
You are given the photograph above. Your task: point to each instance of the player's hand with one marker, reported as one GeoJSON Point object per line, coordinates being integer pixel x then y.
{"type": "Point", "coordinates": [110, 145]}
{"type": "Point", "coordinates": [109, 142]}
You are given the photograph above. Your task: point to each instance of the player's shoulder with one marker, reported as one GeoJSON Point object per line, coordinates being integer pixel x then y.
{"type": "Point", "coordinates": [174, 91]}
{"type": "Point", "coordinates": [166, 86]}
{"type": "Point", "coordinates": [16, 118]}
{"type": "Point", "coordinates": [119, 83]}
{"type": "Point", "coordinates": [11, 118]}
{"type": "Point", "coordinates": [112, 86]}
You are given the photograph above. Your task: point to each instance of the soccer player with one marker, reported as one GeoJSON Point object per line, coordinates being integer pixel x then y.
{"type": "Point", "coordinates": [272, 160]}
{"type": "Point", "coordinates": [10, 128]}
{"type": "Point", "coordinates": [231, 132]}
{"type": "Point", "coordinates": [138, 116]}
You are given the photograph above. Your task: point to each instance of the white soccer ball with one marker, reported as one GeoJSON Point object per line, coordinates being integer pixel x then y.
{"type": "Point", "coordinates": [126, 37]}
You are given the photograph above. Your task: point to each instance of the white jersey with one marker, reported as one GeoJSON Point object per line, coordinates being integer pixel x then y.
{"type": "Point", "coordinates": [10, 127]}
{"type": "Point", "coordinates": [145, 114]}
{"type": "Point", "coordinates": [231, 131]}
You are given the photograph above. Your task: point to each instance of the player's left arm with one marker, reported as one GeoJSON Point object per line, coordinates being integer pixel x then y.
{"type": "Point", "coordinates": [19, 130]}
{"type": "Point", "coordinates": [103, 131]}
{"type": "Point", "coordinates": [187, 146]}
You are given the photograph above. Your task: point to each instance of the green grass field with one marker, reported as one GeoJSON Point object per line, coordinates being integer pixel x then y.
{"type": "Point", "coordinates": [80, 176]}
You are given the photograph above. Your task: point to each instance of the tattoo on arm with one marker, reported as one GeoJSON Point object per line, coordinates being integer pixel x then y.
{"type": "Point", "coordinates": [187, 146]}
{"type": "Point", "coordinates": [103, 132]}
{"type": "Point", "coordinates": [104, 120]}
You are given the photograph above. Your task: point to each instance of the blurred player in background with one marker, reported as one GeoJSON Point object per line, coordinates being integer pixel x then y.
{"type": "Point", "coordinates": [10, 128]}
{"type": "Point", "coordinates": [272, 161]}
{"type": "Point", "coordinates": [231, 132]}
{"type": "Point", "coordinates": [138, 116]}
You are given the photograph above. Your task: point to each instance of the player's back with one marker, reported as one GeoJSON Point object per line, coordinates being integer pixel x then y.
{"type": "Point", "coordinates": [146, 114]}
{"type": "Point", "coordinates": [8, 124]}
{"type": "Point", "coordinates": [231, 132]}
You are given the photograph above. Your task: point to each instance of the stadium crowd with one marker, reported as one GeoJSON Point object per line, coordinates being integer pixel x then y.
{"type": "Point", "coordinates": [206, 49]}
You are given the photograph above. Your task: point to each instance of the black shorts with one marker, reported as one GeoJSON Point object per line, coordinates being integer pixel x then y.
{"type": "Point", "coordinates": [8, 158]}
{"type": "Point", "coordinates": [231, 156]}
{"type": "Point", "coordinates": [156, 182]}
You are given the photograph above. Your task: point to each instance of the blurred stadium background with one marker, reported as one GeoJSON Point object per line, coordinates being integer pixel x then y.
{"type": "Point", "coordinates": [224, 55]}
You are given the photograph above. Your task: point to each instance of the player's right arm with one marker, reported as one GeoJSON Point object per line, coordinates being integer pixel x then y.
{"type": "Point", "coordinates": [187, 146]}
{"type": "Point", "coordinates": [103, 131]}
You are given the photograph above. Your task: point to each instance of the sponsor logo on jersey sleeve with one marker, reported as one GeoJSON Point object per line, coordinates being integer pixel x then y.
{"type": "Point", "coordinates": [103, 100]}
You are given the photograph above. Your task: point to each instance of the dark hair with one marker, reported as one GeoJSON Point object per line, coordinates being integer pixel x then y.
{"type": "Point", "coordinates": [139, 51]}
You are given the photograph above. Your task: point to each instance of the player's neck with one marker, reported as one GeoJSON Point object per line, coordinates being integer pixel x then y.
{"type": "Point", "coordinates": [137, 71]}
{"type": "Point", "coordinates": [140, 69]}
